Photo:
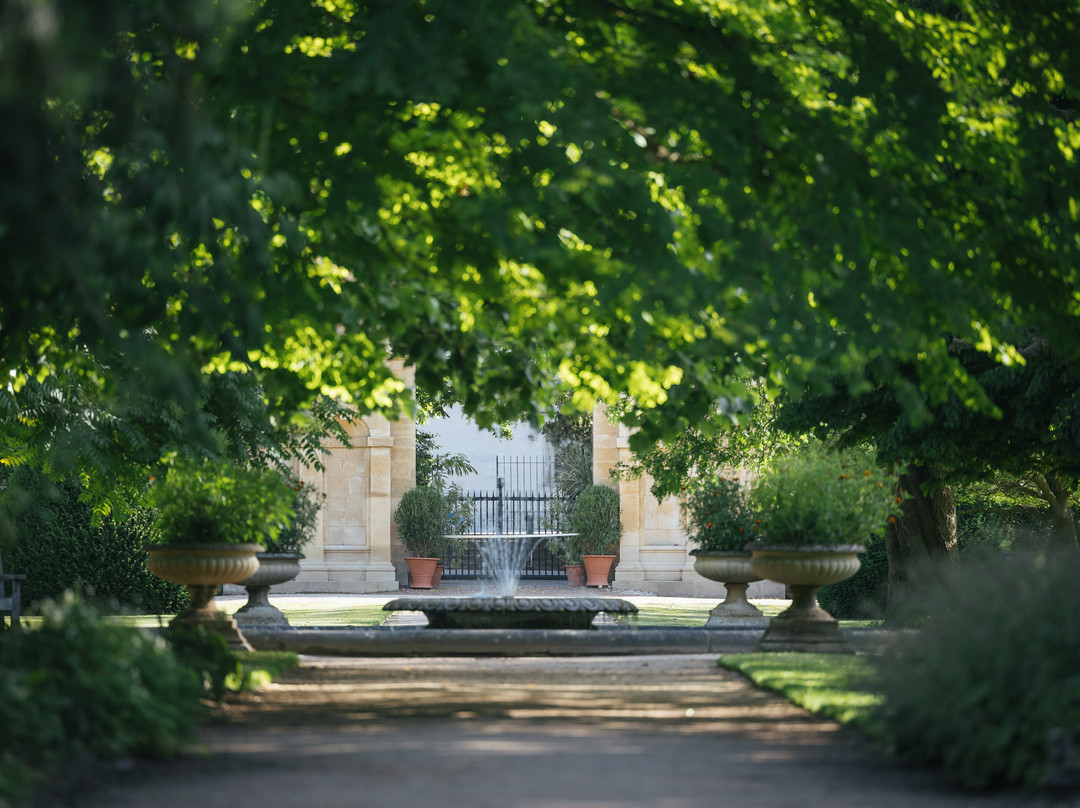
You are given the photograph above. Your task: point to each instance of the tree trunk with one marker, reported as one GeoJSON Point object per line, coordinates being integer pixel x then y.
{"type": "Point", "coordinates": [922, 535]}
{"type": "Point", "coordinates": [1062, 524]}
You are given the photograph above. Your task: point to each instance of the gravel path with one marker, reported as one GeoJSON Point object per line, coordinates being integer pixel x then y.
{"type": "Point", "coordinates": [599, 732]}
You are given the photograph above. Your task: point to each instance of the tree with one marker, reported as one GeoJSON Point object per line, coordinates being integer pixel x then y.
{"type": "Point", "coordinates": [1034, 438]}
{"type": "Point", "coordinates": [740, 434]}
{"type": "Point", "coordinates": [521, 198]}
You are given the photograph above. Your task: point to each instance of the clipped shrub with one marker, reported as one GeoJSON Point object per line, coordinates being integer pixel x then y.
{"type": "Point", "coordinates": [58, 547]}
{"type": "Point", "coordinates": [83, 686]}
{"type": "Point", "coordinates": [595, 518]}
{"type": "Point", "coordinates": [988, 679]}
{"type": "Point", "coordinates": [864, 595]}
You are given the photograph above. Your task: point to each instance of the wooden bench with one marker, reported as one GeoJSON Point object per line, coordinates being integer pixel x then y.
{"type": "Point", "coordinates": [10, 594]}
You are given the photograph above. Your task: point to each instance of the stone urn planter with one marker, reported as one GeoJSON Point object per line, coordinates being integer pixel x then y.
{"type": "Point", "coordinates": [597, 569]}
{"type": "Point", "coordinates": [732, 569]}
{"type": "Point", "coordinates": [202, 568]}
{"type": "Point", "coordinates": [805, 568]}
{"type": "Point", "coordinates": [274, 569]}
{"type": "Point", "coordinates": [421, 571]}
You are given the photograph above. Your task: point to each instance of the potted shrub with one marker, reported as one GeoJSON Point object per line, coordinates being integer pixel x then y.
{"type": "Point", "coordinates": [815, 509]}
{"type": "Point", "coordinates": [280, 561]}
{"type": "Point", "coordinates": [212, 518]}
{"type": "Point", "coordinates": [595, 518]}
{"type": "Point", "coordinates": [426, 516]}
{"type": "Point", "coordinates": [565, 546]}
{"type": "Point", "coordinates": [720, 521]}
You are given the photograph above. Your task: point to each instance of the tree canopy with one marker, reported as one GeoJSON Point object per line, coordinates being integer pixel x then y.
{"type": "Point", "coordinates": [1036, 439]}
{"type": "Point", "coordinates": [621, 198]}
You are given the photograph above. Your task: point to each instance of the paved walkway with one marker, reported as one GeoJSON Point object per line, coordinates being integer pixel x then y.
{"type": "Point", "coordinates": [599, 732]}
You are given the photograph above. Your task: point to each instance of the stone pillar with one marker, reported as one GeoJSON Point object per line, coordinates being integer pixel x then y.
{"type": "Point", "coordinates": [355, 547]}
{"type": "Point", "coordinates": [381, 501]}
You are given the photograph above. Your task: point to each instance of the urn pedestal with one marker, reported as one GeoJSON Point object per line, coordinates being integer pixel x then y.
{"type": "Point", "coordinates": [274, 569]}
{"type": "Point", "coordinates": [202, 568]}
{"type": "Point", "coordinates": [732, 569]}
{"type": "Point", "coordinates": [805, 626]}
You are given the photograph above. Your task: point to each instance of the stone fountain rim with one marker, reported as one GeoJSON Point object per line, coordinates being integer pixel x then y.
{"type": "Point", "coordinates": [512, 604]}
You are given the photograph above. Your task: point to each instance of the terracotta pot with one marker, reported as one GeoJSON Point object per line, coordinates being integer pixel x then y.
{"type": "Point", "coordinates": [732, 569]}
{"type": "Point", "coordinates": [274, 569]}
{"type": "Point", "coordinates": [421, 571]}
{"type": "Point", "coordinates": [805, 626]}
{"type": "Point", "coordinates": [202, 568]}
{"type": "Point", "coordinates": [436, 577]}
{"type": "Point", "coordinates": [575, 574]}
{"type": "Point", "coordinates": [597, 569]}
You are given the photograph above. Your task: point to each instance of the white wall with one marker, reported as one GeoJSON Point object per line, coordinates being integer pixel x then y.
{"type": "Point", "coordinates": [456, 434]}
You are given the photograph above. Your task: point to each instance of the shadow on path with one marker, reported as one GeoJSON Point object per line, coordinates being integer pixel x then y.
{"type": "Point", "coordinates": [598, 732]}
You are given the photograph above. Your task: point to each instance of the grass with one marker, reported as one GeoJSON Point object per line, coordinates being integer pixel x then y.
{"type": "Point", "coordinates": [359, 615]}
{"type": "Point", "coordinates": [260, 668]}
{"type": "Point", "coordinates": [838, 686]}
{"type": "Point", "coordinates": [670, 615]}
{"type": "Point", "coordinates": [371, 614]}
{"type": "Point", "coordinates": [363, 615]}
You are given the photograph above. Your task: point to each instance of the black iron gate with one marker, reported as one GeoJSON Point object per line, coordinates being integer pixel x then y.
{"type": "Point", "coordinates": [522, 506]}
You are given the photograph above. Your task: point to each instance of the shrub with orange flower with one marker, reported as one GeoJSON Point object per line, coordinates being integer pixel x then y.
{"type": "Point", "coordinates": [718, 514]}
{"type": "Point", "coordinates": [819, 497]}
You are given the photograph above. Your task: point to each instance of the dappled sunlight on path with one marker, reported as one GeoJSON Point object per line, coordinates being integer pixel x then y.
{"type": "Point", "coordinates": [669, 731]}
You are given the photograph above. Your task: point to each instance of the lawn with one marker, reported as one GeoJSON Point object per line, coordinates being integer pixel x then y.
{"type": "Point", "coordinates": [362, 614]}
{"type": "Point", "coordinates": [312, 613]}
{"type": "Point", "coordinates": [841, 687]}
{"type": "Point", "coordinates": [694, 614]}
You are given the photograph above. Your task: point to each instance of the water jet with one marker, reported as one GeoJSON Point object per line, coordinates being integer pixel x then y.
{"type": "Point", "coordinates": [504, 556]}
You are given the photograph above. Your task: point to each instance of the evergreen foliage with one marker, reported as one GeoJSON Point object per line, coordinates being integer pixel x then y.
{"type": "Point", "coordinates": [719, 515]}
{"type": "Point", "coordinates": [985, 685]}
{"type": "Point", "coordinates": [61, 547]}
{"type": "Point", "coordinates": [864, 595]}
{"type": "Point", "coordinates": [822, 497]}
{"type": "Point", "coordinates": [80, 685]}
{"type": "Point", "coordinates": [426, 514]}
{"type": "Point", "coordinates": [208, 503]}
{"type": "Point", "coordinates": [595, 518]}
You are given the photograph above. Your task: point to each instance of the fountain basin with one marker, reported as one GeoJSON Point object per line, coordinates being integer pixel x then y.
{"type": "Point", "coordinates": [510, 612]}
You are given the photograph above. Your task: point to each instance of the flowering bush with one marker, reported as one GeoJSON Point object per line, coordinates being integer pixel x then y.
{"type": "Point", "coordinates": [823, 498]}
{"type": "Point", "coordinates": [719, 516]}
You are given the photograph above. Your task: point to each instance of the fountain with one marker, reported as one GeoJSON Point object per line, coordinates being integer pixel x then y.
{"type": "Point", "coordinates": [504, 555]}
